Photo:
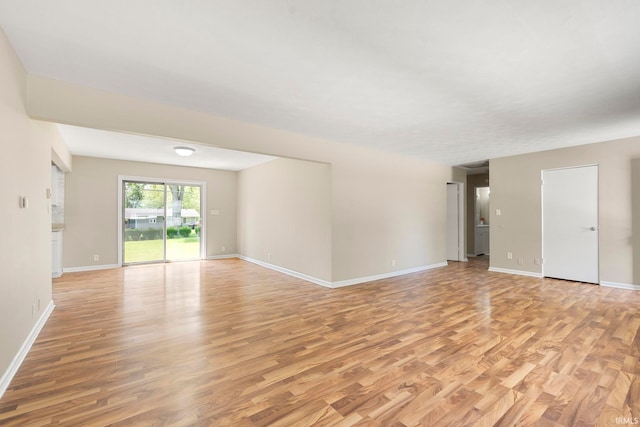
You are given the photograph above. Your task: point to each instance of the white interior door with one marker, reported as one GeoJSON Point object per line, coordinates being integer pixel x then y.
{"type": "Point", "coordinates": [570, 223]}
{"type": "Point", "coordinates": [453, 213]}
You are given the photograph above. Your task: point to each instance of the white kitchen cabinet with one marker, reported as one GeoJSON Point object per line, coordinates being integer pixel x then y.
{"type": "Point", "coordinates": [56, 250]}
{"type": "Point", "coordinates": [482, 240]}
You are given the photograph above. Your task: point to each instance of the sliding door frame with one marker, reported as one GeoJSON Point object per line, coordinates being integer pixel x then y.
{"type": "Point", "coordinates": [166, 181]}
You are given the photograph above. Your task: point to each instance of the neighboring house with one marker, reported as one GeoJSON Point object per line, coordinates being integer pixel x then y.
{"type": "Point", "coordinates": [190, 217]}
{"type": "Point", "coordinates": [145, 218]}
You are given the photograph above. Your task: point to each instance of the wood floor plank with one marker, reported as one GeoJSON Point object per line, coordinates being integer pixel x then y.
{"type": "Point", "coordinates": [227, 342]}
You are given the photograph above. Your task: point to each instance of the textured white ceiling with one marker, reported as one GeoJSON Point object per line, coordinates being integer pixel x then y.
{"type": "Point", "coordinates": [455, 82]}
{"type": "Point", "coordinates": [114, 145]}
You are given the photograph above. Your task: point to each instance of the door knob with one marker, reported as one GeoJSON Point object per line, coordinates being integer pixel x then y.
{"type": "Point", "coordinates": [592, 228]}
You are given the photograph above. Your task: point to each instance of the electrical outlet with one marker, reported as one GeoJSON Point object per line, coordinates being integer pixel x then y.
{"type": "Point", "coordinates": [223, 249]}
{"type": "Point", "coordinates": [33, 310]}
{"type": "Point", "coordinates": [96, 257]}
{"type": "Point", "coordinates": [23, 202]}
{"type": "Point", "coordinates": [269, 256]}
{"type": "Point", "coordinates": [509, 255]}
{"type": "Point", "coordinates": [393, 263]}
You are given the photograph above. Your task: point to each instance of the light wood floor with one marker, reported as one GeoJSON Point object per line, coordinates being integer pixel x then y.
{"type": "Point", "coordinates": [231, 343]}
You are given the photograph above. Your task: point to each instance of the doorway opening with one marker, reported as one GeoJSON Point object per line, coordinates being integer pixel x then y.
{"type": "Point", "coordinates": [481, 221]}
{"type": "Point", "coordinates": [160, 221]}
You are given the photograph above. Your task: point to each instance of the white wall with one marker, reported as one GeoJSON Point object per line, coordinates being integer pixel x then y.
{"type": "Point", "coordinates": [25, 242]}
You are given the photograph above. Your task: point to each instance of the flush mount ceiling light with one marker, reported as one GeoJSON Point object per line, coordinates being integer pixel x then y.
{"type": "Point", "coordinates": [183, 151]}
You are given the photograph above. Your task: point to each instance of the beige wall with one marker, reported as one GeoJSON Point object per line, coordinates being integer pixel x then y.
{"type": "Point", "coordinates": [25, 245]}
{"type": "Point", "coordinates": [91, 207]}
{"type": "Point", "coordinates": [385, 206]}
{"type": "Point", "coordinates": [473, 181]}
{"type": "Point", "coordinates": [347, 220]}
{"type": "Point", "coordinates": [515, 189]}
{"type": "Point", "coordinates": [284, 215]}
{"type": "Point", "coordinates": [60, 154]}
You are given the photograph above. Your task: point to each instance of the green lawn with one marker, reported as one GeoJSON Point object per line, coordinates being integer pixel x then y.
{"type": "Point", "coordinates": [151, 250]}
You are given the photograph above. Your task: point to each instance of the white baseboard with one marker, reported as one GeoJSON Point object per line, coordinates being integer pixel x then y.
{"type": "Point", "coordinates": [226, 256]}
{"type": "Point", "coordinates": [605, 283]}
{"type": "Point", "coordinates": [517, 272]}
{"type": "Point", "coordinates": [358, 280]}
{"type": "Point", "coordinates": [287, 271]}
{"type": "Point", "coordinates": [11, 371]}
{"type": "Point", "coordinates": [341, 283]}
{"type": "Point", "coordinates": [109, 266]}
{"type": "Point", "coordinates": [90, 268]}
{"type": "Point", "coordinates": [618, 285]}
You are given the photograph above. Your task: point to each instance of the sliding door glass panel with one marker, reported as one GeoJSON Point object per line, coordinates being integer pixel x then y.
{"type": "Point", "coordinates": [144, 222]}
{"type": "Point", "coordinates": [183, 222]}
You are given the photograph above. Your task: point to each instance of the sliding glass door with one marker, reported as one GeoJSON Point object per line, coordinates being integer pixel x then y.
{"type": "Point", "coordinates": [161, 222]}
{"type": "Point", "coordinates": [143, 222]}
{"type": "Point", "coordinates": [183, 222]}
